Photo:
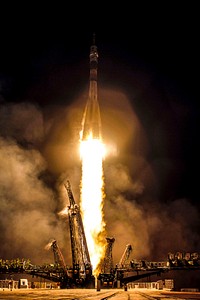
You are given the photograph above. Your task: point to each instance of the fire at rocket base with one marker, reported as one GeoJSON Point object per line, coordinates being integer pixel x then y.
{"type": "Point", "coordinates": [91, 122]}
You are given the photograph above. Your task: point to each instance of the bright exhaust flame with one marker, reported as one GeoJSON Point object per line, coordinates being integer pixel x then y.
{"type": "Point", "coordinates": [92, 195]}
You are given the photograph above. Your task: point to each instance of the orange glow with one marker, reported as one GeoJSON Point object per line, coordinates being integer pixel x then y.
{"type": "Point", "coordinates": [92, 195]}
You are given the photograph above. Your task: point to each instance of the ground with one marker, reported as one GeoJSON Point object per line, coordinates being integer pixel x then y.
{"type": "Point", "coordinates": [92, 294]}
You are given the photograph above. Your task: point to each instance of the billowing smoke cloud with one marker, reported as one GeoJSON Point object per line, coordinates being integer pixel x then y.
{"type": "Point", "coordinates": [152, 228]}
{"type": "Point", "coordinates": [29, 205]}
{"type": "Point", "coordinates": [39, 150]}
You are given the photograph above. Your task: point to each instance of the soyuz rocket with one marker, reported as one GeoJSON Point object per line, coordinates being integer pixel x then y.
{"type": "Point", "coordinates": [91, 122]}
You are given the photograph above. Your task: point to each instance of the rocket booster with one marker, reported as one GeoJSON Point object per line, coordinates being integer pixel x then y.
{"type": "Point", "coordinates": [91, 122]}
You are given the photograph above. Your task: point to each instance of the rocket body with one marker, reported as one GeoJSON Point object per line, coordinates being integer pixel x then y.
{"type": "Point", "coordinates": [91, 123]}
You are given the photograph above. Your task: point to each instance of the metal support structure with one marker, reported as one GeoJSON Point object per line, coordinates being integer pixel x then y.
{"type": "Point", "coordinates": [82, 267]}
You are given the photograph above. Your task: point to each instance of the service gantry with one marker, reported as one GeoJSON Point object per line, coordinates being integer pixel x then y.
{"type": "Point", "coordinates": [82, 268]}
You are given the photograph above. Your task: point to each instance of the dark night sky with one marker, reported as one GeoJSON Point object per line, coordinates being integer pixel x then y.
{"type": "Point", "coordinates": [151, 54]}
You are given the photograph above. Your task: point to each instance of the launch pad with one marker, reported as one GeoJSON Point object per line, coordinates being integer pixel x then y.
{"type": "Point", "coordinates": [80, 275]}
